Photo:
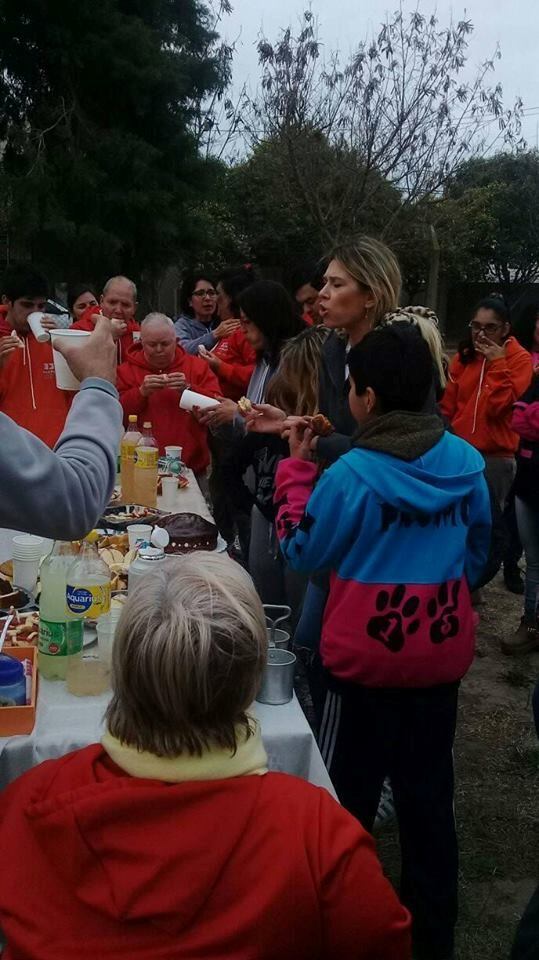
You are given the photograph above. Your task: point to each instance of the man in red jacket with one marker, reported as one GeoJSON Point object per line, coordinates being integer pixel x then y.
{"type": "Point", "coordinates": [119, 303]}
{"type": "Point", "coordinates": [150, 383]}
{"type": "Point", "coordinates": [28, 391]}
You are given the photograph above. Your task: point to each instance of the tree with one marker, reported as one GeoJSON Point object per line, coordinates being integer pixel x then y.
{"type": "Point", "coordinates": [97, 104]}
{"type": "Point", "coordinates": [396, 111]}
{"type": "Point", "coordinates": [282, 227]}
{"type": "Point", "coordinates": [492, 208]}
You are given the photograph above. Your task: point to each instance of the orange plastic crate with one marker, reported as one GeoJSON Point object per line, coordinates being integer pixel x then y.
{"type": "Point", "coordinates": [19, 720]}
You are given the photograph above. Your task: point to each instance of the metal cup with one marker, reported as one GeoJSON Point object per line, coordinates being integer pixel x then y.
{"type": "Point", "coordinates": [278, 678]}
{"type": "Point", "coordinates": [280, 638]}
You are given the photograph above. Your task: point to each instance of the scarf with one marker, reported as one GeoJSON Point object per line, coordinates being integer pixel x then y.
{"type": "Point", "coordinates": [217, 763]}
{"type": "Point", "coordinates": [401, 433]}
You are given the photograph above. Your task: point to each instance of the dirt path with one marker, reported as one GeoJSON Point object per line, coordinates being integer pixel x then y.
{"type": "Point", "coordinates": [497, 788]}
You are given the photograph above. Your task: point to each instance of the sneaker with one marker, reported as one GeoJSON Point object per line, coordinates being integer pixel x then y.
{"type": "Point", "coordinates": [513, 580]}
{"type": "Point", "coordinates": [524, 640]}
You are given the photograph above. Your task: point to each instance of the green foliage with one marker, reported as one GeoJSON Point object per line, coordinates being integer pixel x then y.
{"type": "Point", "coordinates": [492, 209]}
{"type": "Point", "coordinates": [285, 224]}
{"type": "Point", "coordinates": [96, 102]}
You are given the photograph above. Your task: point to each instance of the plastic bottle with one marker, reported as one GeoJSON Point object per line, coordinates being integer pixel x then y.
{"type": "Point", "coordinates": [146, 468]}
{"type": "Point", "coordinates": [60, 630]}
{"type": "Point", "coordinates": [89, 582]}
{"type": "Point", "coordinates": [149, 559]}
{"type": "Point", "coordinates": [127, 459]}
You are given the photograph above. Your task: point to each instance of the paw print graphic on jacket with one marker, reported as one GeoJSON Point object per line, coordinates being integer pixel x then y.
{"type": "Point", "coordinates": [394, 622]}
{"type": "Point", "coordinates": [442, 610]}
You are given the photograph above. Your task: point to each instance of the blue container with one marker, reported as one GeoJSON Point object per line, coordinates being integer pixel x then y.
{"type": "Point", "coordinates": [12, 682]}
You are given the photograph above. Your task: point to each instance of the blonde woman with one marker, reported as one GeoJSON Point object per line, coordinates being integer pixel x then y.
{"type": "Point", "coordinates": [361, 284]}
{"type": "Point", "coordinates": [170, 838]}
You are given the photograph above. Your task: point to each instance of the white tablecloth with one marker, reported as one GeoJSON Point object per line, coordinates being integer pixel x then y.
{"type": "Point", "coordinates": [65, 722]}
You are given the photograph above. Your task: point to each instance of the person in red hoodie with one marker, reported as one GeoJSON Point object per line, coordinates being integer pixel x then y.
{"type": "Point", "coordinates": [232, 359]}
{"type": "Point", "coordinates": [171, 838]}
{"type": "Point", "coordinates": [487, 376]}
{"type": "Point", "coordinates": [118, 302]}
{"type": "Point", "coordinates": [151, 380]}
{"type": "Point", "coordinates": [28, 391]}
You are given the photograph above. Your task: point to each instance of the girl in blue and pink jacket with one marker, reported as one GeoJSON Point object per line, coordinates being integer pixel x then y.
{"type": "Point", "coordinates": [402, 522]}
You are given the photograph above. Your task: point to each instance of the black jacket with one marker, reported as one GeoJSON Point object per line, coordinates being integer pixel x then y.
{"type": "Point", "coordinates": [333, 400]}
{"type": "Point", "coordinates": [526, 485]}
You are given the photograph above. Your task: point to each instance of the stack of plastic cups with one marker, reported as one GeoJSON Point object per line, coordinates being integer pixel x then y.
{"type": "Point", "coordinates": [27, 553]}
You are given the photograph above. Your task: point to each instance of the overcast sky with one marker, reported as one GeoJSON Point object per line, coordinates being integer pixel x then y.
{"type": "Point", "coordinates": [514, 24]}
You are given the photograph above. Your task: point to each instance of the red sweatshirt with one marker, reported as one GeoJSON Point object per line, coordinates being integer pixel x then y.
{"type": "Point", "coordinates": [237, 364]}
{"type": "Point", "coordinates": [479, 397]}
{"type": "Point", "coordinates": [103, 865]}
{"type": "Point", "coordinates": [171, 425]}
{"type": "Point", "coordinates": [28, 391]}
{"type": "Point", "coordinates": [126, 340]}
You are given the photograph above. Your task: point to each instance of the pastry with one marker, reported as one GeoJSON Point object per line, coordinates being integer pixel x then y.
{"type": "Point", "coordinates": [244, 405]}
{"type": "Point", "coordinates": [320, 425]}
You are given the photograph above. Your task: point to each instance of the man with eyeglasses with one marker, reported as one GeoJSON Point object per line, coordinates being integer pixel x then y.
{"type": "Point", "coordinates": [198, 325]}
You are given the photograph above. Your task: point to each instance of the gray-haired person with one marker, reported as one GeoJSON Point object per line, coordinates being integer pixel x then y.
{"type": "Point", "coordinates": [171, 838]}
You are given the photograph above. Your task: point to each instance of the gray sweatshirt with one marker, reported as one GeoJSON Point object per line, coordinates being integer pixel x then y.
{"type": "Point", "coordinates": [61, 493]}
{"type": "Point", "coordinates": [192, 334]}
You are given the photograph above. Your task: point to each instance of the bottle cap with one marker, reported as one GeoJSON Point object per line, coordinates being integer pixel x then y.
{"type": "Point", "coordinates": [150, 553]}
{"type": "Point", "coordinates": [160, 537]}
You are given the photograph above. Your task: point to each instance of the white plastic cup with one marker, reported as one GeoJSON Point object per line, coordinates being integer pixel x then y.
{"type": "Point", "coordinates": [169, 486]}
{"type": "Point", "coordinates": [174, 453]}
{"type": "Point", "coordinates": [25, 573]}
{"type": "Point", "coordinates": [26, 546]}
{"type": "Point", "coordinates": [138, 533]}
{"type": "Point", "coordinates": [190, 399]}
{"type": "Point", "coordinates": [34, 322]}
{"type": "Point", "coordinates": [65, 379]}
{"type": "Point", "coordinates": [106, 629]}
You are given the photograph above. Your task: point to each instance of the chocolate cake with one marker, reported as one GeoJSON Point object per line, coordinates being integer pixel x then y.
{"type": "Point", "coordinates": [187, 532]}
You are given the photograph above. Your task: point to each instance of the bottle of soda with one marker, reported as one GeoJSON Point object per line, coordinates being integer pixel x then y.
{"type": "Point", "coordinates": [127, 459]}
{"type": "Point", "coordinates": [60, 629]}
{"type": "Point", "coordinates": [146, 468]}
{"type": "Point", "coordinates": [89, 582]}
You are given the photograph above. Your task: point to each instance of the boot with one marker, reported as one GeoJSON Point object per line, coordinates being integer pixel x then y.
{"type": "Point", "coordinates": [524, 640]}
{"type": "Point", "coordinates": [512, 578]}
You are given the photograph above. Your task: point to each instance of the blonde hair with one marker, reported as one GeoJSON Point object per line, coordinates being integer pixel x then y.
{"type": "Point", "coordinates": [372, 264]}
{"type": "Point", "coordinates": [427, 323]}
{"type": "Point", "coordinates": [295, 385]}
{"type": "Point", "coordinates": [188, 656]}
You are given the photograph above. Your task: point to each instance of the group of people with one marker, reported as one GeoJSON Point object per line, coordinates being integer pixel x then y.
{"type": "Point", "coordinates": [376, 526]}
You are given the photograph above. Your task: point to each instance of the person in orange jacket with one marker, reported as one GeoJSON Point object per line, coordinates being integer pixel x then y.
{"type": "Point", "coordinates": [118, 302]}
{"type": "Point", "coordinates": [171, 838]}
{"type": "Point", "coordinates": [28, 391]}
{"type": "Point", "coordinates": [150, 382]}
{"type": "Point", "coordinates": [489, 373]}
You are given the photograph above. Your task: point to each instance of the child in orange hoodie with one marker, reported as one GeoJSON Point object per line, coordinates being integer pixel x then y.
{"type": "Point", "coordinates": [490, 372]}
{"type": "Point", "coordinates": [28, 391]}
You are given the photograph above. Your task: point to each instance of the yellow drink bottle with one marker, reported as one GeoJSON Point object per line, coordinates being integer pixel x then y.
{"type": "Point", "coordinates": [88, 584]}
{"type": "Point", "coordinates": [127, 459]}
{"type": "Point", "coordinates": [146, 468]}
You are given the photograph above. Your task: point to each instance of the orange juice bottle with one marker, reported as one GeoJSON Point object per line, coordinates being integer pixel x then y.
{"type": "Point", "coordinates": [146, 468]}
{"type": "Point", "coordinates": [127, 459]}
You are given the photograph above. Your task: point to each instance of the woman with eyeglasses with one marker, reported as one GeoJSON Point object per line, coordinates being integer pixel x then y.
{"type": "Point", "coordinates": [198, 324]}
{"type": "Point", "coordinates": [487, 376]}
